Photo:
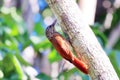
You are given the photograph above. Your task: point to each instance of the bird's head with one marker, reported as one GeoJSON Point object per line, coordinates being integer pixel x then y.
{"type": "Point", "coordinates": [50, 30]}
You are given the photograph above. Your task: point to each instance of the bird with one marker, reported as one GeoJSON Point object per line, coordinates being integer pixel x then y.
{"type": "Point", "coordinates": [62, 46]}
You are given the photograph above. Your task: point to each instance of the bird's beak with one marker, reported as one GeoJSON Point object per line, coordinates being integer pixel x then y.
{"type": "Point", "coordinates": [53, 24]}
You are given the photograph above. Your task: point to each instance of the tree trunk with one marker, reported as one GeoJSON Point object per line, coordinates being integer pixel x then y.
{"type": "Point", "coordinates": [83, 39]}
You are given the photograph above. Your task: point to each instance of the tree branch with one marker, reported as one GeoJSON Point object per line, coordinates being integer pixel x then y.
{"type": "Point", "coordinates": [83, 39]}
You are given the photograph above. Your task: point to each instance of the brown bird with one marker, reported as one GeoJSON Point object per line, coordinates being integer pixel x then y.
{"type": "Point", "coordinates": [63, 48]}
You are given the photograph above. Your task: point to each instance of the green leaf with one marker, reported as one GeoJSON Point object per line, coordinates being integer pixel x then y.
{"type": "Point", "coordinates": [45, 44]}
{"type": "Point", "coordinates": [101, 36]}
{"type": "Point", "coordinates": [53, 56]}
{"type": "Point", "coordinates": [24, 40]}
{"type": "Point", "coordinates": [112, 57]}
{"type": "Point", "coordinates": [21, 60]}
{"type": "Point", "coordinates": [14, 76]}
{"type": "Point", "coordinates": [7, 65]}
{"type": "Point", "coordinates": [117, 45]}
{"type": "Point", "coordinates": [10, 64]}
{"type": "Point", "coordinates": [14, 31]}
{"type": "Point", "coordinates": [40, 42]}
{"type": "Point", "coordinates": [17, 67]}
{"type": "Point", "coordinates": [43, 76]}
{"type": "Point", "coordinates": [116, 17]}
{"type": "Point", "coordinates": [39, 29]}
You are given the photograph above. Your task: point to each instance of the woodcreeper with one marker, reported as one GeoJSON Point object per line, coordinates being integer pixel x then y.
{"type": "Point", "coordinates": [63, 48]}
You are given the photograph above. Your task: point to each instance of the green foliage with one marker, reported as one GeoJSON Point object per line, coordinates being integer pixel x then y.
{"type": "Point", "coordinates": [100, 35]}
{"type": "Point", "coordinates": [43, 76]}
{"type": "Point", "coordinates": [10, 35]}
{"type": "Point", "coordinates": [54, 56]}
{"type": "Point", "coordinates": [72, 72]}
{"type": "Point", "coordinates": [116, 46]}
{"type": "Point", "coordinates": [116, 17]}
{"type": "Point", "coordinates": [113, 60]}
{"type": "Point", "coordinates": [39, 29]}
{"type": "Point", "coordinates": [9, 65]}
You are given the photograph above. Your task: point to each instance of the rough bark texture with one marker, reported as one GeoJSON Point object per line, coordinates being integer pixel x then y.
{"type": "Point", "coordinates": [83, 39]}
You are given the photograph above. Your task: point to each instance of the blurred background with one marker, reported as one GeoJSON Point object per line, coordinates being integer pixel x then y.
{"type": "Point", "coordinates": [26, 53]}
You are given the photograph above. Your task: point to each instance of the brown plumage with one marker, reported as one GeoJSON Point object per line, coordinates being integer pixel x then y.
{"type": "Point", "coordinates": [63, 48]}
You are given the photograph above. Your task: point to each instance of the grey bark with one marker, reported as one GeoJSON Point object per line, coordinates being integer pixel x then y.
{"type": "Point", "coordinates": [83, 39]}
